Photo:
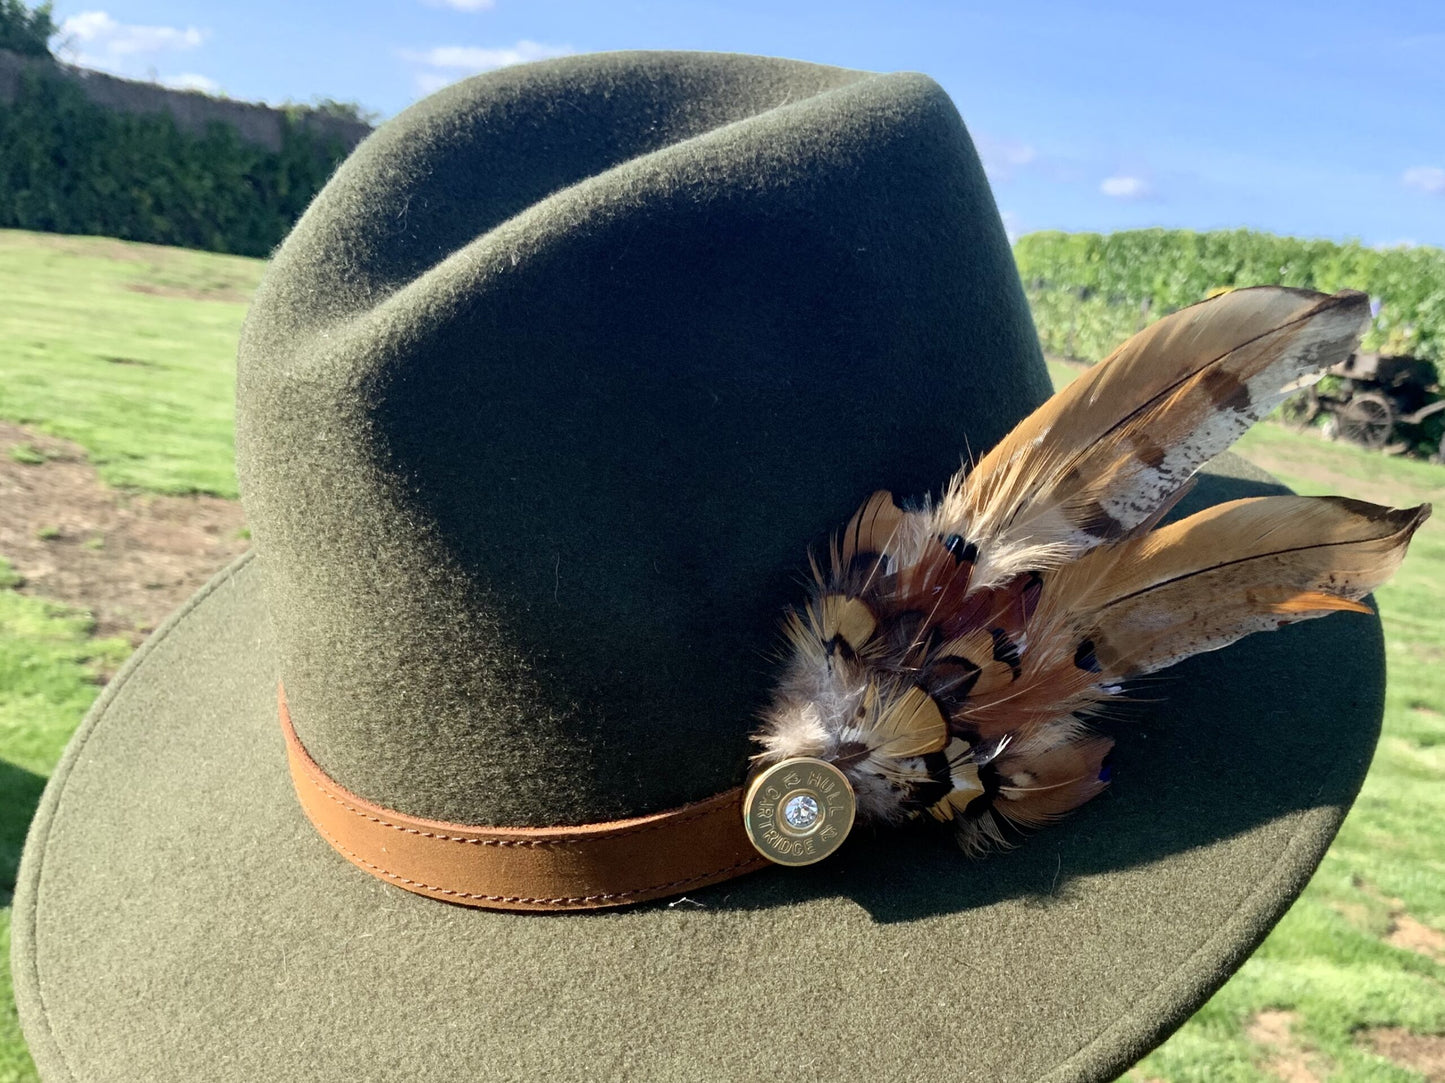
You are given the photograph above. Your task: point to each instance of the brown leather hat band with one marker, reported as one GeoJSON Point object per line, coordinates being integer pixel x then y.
{"type": "Point", "coordinates": [527, 868]}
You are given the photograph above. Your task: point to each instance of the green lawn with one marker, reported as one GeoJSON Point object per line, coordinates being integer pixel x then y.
{"type": "Point", "coordinates": [129, 351]}
{"type": "Point", "coordinates": [1329, 961]}
{"type": "Point", "coordinates": [48, 666]}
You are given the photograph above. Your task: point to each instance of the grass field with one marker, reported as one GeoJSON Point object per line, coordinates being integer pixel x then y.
{"type": "Point", "coordinates": [129, 351]}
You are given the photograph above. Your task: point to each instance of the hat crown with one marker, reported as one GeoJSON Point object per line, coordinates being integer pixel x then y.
{"type": "Point", "coordinates": [544, 399]}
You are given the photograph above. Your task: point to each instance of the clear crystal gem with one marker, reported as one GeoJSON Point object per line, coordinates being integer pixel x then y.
{"type": "Point", "coordinates": [801, 812]}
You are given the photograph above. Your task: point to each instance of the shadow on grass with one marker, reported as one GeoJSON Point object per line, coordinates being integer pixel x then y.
{"type": "Point", "coordinates": [19, 795]}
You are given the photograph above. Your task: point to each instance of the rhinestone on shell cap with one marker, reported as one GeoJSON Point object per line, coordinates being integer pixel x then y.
{"type": "Point", "coordinates": [798, 811]}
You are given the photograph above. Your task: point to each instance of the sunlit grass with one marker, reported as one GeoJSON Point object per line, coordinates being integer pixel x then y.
{"type": "Point", "coordinates": [127, 349]}
{"type": "Point", "coordinates": [1329, 962]}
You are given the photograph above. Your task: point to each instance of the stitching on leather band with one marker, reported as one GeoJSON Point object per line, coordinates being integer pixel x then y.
{"type": "Point", "coordinates": [559, 841]}
{"type": "Point", "coordinates": [526, 868]}
{"type": "Point", "coordinates": [620, 896]}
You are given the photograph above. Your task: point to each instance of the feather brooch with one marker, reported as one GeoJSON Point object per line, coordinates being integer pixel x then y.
{"type": "Point", "coordinates": [947, 657]}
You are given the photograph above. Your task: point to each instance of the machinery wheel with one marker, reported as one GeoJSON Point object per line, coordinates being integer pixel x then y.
{"type": "Point", "coordinates": [1301, 408]}
{"type": "Point", "coordinates": [1368, 419]}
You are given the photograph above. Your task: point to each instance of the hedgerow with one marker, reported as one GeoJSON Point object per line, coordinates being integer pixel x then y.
{"type": "Point", "coordinates": [70, 166]}
{"type": "Point", "coordinates": [1090, 291]}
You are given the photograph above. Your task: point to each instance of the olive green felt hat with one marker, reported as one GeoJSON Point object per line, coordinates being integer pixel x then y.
{"type": "Point", "coordinates": [539, 410]}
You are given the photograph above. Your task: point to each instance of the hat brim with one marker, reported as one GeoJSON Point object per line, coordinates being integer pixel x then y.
{"type": "Point", "coordinates": [177, 918]}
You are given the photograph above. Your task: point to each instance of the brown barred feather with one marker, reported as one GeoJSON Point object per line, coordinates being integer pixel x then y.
{"type": "Point", "coordinates": [1100, 457]}
{"type": "Point", "coordinates": [947, 656]}
{"type": "Point", "coordinates": [964, 776]}
{"type": "Point", "coordinates": [910, 725]}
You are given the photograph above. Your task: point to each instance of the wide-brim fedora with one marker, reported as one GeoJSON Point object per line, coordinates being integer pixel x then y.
{"type": "Point", "coordinates": [539, 410]}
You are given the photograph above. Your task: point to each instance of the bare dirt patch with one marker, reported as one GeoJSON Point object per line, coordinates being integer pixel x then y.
{"type": "Point", "coordinates": [1288, 1060]}
{"type": "Point", "coordinates": [209, 293]}
{"type": "Point", "coordinates": [128, 558]}
{"type": "Point", "coordinates": [1423, 1053]}
{"type": "Point", "coordinates": [1406, 932]}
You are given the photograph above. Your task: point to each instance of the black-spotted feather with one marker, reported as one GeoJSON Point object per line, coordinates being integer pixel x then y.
{"type": "Point", "coordinates": [948, 655]}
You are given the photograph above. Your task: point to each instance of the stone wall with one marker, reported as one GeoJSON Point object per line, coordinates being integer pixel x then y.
{"type": "Point", "coordinates": [192, 110]}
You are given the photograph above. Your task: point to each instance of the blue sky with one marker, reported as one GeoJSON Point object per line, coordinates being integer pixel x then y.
{"type": "Point", "coordinates": [1320, 119]}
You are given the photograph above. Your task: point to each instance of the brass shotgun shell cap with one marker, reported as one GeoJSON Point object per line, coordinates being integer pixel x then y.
{"type": "Point", "coordinates": [798, 811]}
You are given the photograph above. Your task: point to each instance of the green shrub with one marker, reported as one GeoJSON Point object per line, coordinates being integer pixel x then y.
{"type": "Point", "coordinates": [70, 166]}
{"type": "Point", "coordinates": [1090, 291]}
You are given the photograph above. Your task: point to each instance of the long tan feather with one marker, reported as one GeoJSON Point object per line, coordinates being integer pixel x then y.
{"type": "Point", "coordinates": [1237, 568]}
{"type": "Point", "coordinates": [1095, 462]}
{"type": "Point", "coordinates": [948, 657]}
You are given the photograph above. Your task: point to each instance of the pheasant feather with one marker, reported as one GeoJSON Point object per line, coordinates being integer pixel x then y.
{"type": "Point", "coordinates": [947, 656]}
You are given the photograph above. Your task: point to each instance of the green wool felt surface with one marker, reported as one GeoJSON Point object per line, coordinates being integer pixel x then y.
{"type": "Point", "coordinates": [178, 919]}
{"type": "Point", "coordinates": [538, 410]}
{"type": "Point", "coordinates": [544, 399]}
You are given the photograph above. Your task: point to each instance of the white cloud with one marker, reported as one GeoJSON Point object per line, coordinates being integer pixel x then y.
{"type": "Point", "coordinates": [1125, 187]}
{"type": "Point", "coordinates": [447, 63]}
{"type": "Point", "coordinates": [463, 5]}
{"type": "Point", "coordinates": [96, 36]}
{"type": "Point", "coordinates": [1010, 225]}
{"type": "Point", "coordinates": [472, 59]}
{"type": "Point", "coordinates": [95, 39]}
{"type": "Point", "coordinates": [1002, 157]}
{"type": "Point", "coordinates": [192, 81]}
{"type": "Point", "coordinates": [1425, 178]}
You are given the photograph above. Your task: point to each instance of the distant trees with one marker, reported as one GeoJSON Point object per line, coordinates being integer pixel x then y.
{"type": "Point", "coordinates": [330, 107]}
{"type": "Point", "coordinates": [24, 30]}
